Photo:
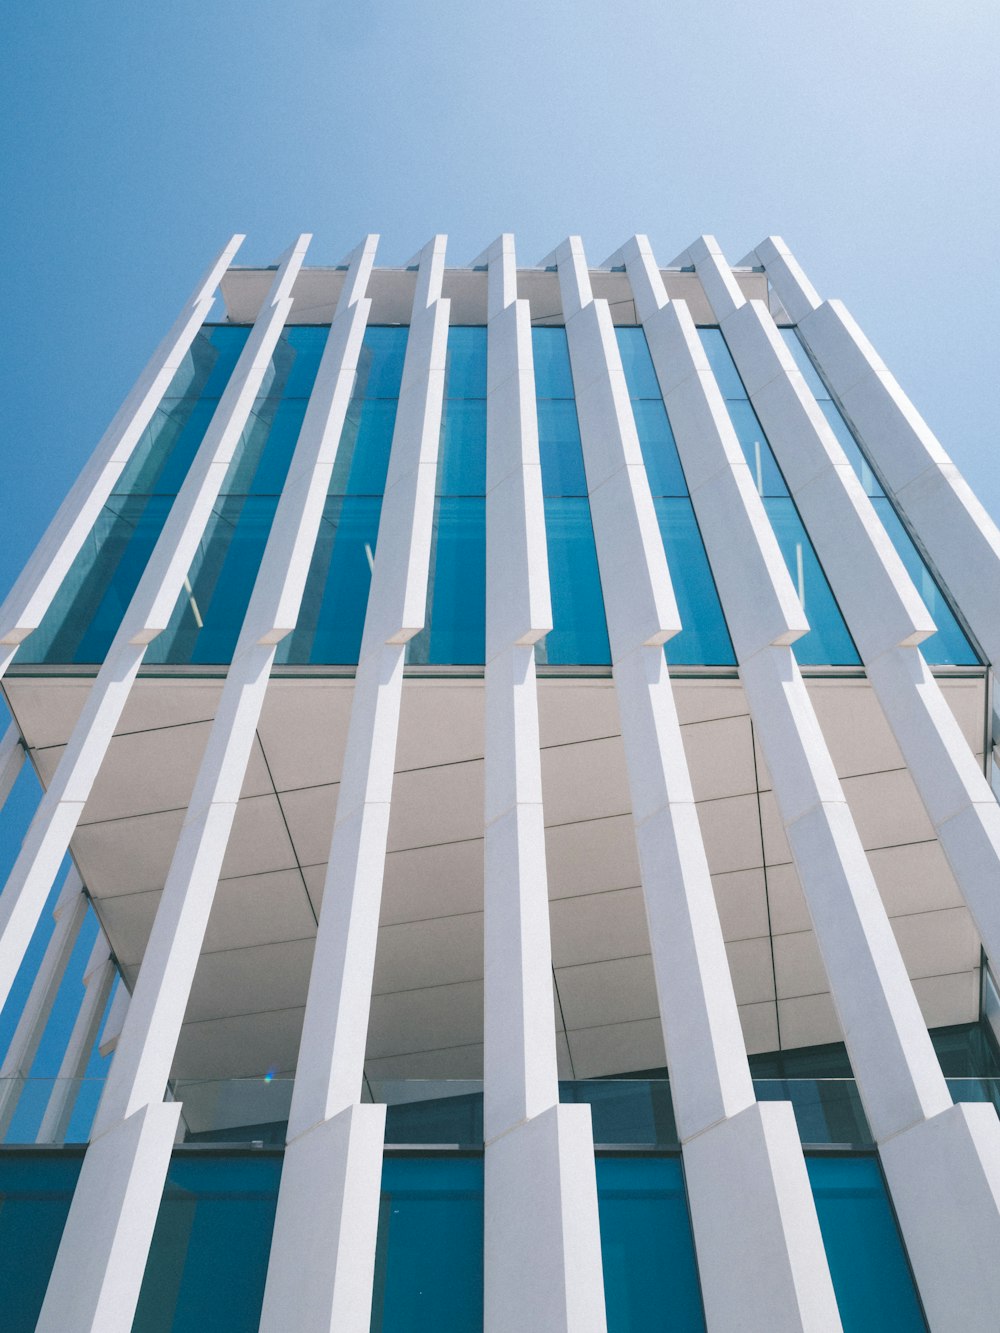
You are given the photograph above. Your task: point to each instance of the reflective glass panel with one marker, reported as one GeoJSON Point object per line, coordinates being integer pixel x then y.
{"type": "Point", "coordinates": [429, 1257]}
{"type": "Point", "coordinates": [579, 635]}
{"type": "Point", "coordinates": [335, 599]}
{"type": "Point", "coordinates": [455, 624]}
{"type": "Point", "coordinates": [868, 1265]}
{"type": "Point", "coordinates": [87, 609]}
{"type": "Point", "coordinates": [35, 1194]}
{"type": "Point", "coordinates": [704, 639]}
{"type": "Point", "coordinates": [949, 646]}
{"type": "Point", "coordinates": [208, 1259]}
{"type": "Point", "coordinates": [828, 642]}
{"type": "Point", "coordinates": [650, 1274]}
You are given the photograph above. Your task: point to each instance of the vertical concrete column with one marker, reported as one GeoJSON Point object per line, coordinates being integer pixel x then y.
{"type": "Point", "coordinates": [880, 604]}
{"type": "Point", "coordinates": [148, 613]}
{"type": "Point", "coordinates": [98, 1269]}
{"type": "Point", "coordinates": [323, 1249]}
{"type": "Point", "coordinates": [959, 536]}
{"type": "Point", "coordinates": [543, 1241]}
{"type": "Point", "coordinates": [98, 978]}
{"type": "Point", "coordinates": [929, 1147]}
{"type": "Point", "coordinates": [12, 756]}
{"type": "Point", "coordinates": [69, 911]}
{"type": "Point", "coordinates": [751, 1205]}
{"type": "Point", "coordinates": [115, 1020]}
{"type": "Point", "coordinates": [39, 582]}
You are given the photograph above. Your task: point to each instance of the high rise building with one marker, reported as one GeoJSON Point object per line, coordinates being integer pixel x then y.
{"type": "Point", "coordinates": [525, 738]}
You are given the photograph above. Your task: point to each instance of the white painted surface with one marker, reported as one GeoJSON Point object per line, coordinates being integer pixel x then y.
{"type": "Point", "coordinates": [763, 1174]}
{"type": "Point", "coordinates": [39, 582]}
{"type": "Point", "coordinates": [335, 1025]}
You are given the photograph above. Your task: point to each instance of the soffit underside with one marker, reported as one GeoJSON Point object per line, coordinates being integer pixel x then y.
{"type": "Point", "coordinates": [246, 1006]}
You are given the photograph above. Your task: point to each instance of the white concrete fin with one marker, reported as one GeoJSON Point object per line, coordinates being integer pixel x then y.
{"type": "Point", "coordinates": [359, 266]}
{"type": "Point", "coordinates": [69, 914]}
{"type": "Point", "coordinates": [41, 577]}
{"type": "Point", "coordinates": [716, 277]}
{"type": "Point", "coordinates": [795, 291]}
{"type": "Point", "coordinates": [152, 604]}
{"type": "Point", "coordinates": [116, 1018]}
{"type": "Point", "coordinates": [398, 596]}
{"type": "Point", "coordinates": [645, 278]}
{"type": "Point", "coordinates": [574, 276]}
{"type": "Point", "coordinates": [12, 757]}
{"type": "Point", "coordinates": [501, 262]}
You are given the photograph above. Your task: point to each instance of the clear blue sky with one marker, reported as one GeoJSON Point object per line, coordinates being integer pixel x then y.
{"type": "Point", "coordinates": [136, 137]}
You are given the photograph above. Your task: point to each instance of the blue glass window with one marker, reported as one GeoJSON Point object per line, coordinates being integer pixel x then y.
{"type": "Point", "coordinates": [209, 611]}
{"type": "Point", "coordinates": [650, 1274]}
{"type": "Point", "coordinates": [579, 635]}
{"type": "Point", "coordinates": [704, 639]}
{"type": "Point", "coordinates": [87, 609]}
{"type": "Point", "coordinates": [455, 626]}
{"type": "Point", "coordinates": [35, 1195]}
{"type": "Point", "coordinates": [949, 646]}
{"type": "Point", "coordinates": [869, 1268]}
{"type": "Point", "coordinates": [208, 1259]}
{"type": "Point", "coordinates": [335, 598]}
{"type": "Point", "coordinates": [828, 642]}
{"type": "Point", "coordinates": [429, 1257]}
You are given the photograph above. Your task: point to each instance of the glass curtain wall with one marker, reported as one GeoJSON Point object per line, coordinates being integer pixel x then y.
{"type": "Point", "coordinates": [949, 646]}
{"type": "Point", "coordinates": [206, 620]}
{"type": "Point", "coordinates": [579, 634]}
{"type": "Point", "coordinates": [828, 642]}
{"type": "Point", "coordinates": [88, 608]}
{"type": "Point", "coordinates": [332, 615]}
{"type": "Point", "coordinates": [454, 630]}
{"type": "Point", "coordinates": [704, 639]}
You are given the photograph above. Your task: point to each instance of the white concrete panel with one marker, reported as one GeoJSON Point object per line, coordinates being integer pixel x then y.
{"type": "Point", "coordinates": [854, 727]}
{"type": "Point", "coordinates": [303, 729]}
{"type": "Point", "coordinates": [887, 809]}
{"type": "Point", "coordinates": [448, 800]}
{"type": "Point", "coordinates": [708, 700]}
{"type": "Point", "coordinates": [433, 881]}
{"type": "Point", "coordinates": [617, 1048]}
{"type": "Point", "coordinates": [128, 855]}
{"type": "Point", "coordinates": [404, 1022]}
{"type": "Point", "coordinates": [952, 998]}
{"type": "Point", "coordinates": [416, 954]}
{"type": "Point", "coordinates": [786, 901]}
{"type": "Point", "coordinates": [798, 966]}
{"type": "Point", "coordinates": [741, 897]}
{"type": "Point", "coordinates": [617, 991]}
{"type": "Point", "coordinates": [570, 711]}
{"type": "Point", "coordinates": [259, 839]}
{"type": "Point", "coordinates": [731, 832]}
{"type": "Point", "coordinates": [251, 980]}
{"type": "Point", "coordinates": [309, 813]}
{"type": "Point", "coordinates": [440, 723]}
{"type": "Point", "coordinates": [914, 877]}
{"type": "Point", "coordinates": [760, 1027]}
{"type": "Point", "coordinates": [585, 781]}
{"type": "Point", "coordinates": [244, 1046]}
{"type": "Point", "coordinates": [259, 909]}
{"type": "Point", "coordinates": [808, 1020]}
{"type": "Point", "coordinates": [720, 755]}
{"type": "Point", "coordinates": [598, 926]}
{"type": "Point", "coordinates": [751, 970]}
{"type": "Point", "coordinates": [592, 857]}
{"type": "Point", "coordinates": [937, 942]}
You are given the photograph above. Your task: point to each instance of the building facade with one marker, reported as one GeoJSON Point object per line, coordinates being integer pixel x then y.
{"type": "Point", "coordinates": [521, 742]}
